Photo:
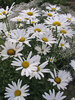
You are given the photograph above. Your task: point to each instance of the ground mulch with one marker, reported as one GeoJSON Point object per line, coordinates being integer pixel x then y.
{"type": "Point", "coordinates": [71, 4]}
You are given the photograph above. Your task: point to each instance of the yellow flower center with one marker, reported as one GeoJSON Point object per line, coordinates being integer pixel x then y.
{"type": "Point", "coordinates": [57, 80]}
{"type": "Point", "coordinates": [51, 60]}
{"type": "Point", "coordinates": [20, 25]}
{"type": "Point", "coordinates": [0, 14]}
{"type": "Point", "coordinates": [26, 18]}
{"type": "Point", "coordinates": [53, 8]}
{"type": "Point", "coordinates": [19, 19]}
{"type": "Point", "coordinates": [62, 44]}
{"type": "Point", "coordinates": [32, 22]}
{"type": "Point", "coordinates": [11, 52]}
{"type": "Point", "coordinates": [45, 39]}
{"type": "Point", "coordinates": [42, 50]}
{"type": "Point", "coordinates": [69, 18]}
{"type": "Point", "coordinates": [22, 39]}
{"type": "Point", "coordinates": [4, 12]}
{"type": "Point", "coordinates": [8, 34]}
{"type": "Point", "coordinates": [63, 31]}
{"type": "Point", "coordinates": [54, 99]}
{"type": "Point", "coordinates": [38, 68]}
{"type": "Point", "coordinates": [17, 93]}
{"type": "Point", "coordinates": [25, 64]}
{"type": "Point", "coordinates": [56, 23]}
{"type": "Point", "coordinates": [49, 14]}
{"type": "Point", "coordinates": [30, 13]}
{"type": "Point", "coordinates": [37, 29]}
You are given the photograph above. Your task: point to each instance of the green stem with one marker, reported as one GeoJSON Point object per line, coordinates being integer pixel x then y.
{"type": "Point", "coordinates": [56, 31]}
{"type": "Point", "coordinates": [59, 41]}
{"type": "Point", "coordinates": [72, 39]}
{"type": "Point", "coordinates": [7, 24]}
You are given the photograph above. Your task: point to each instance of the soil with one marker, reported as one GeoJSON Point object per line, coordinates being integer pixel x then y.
{"type": "Point", "coordinates": [71, 4]}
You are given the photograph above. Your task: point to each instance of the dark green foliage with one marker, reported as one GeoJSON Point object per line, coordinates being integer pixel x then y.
{"type": "Point", "coordinates": [52, 2]}
{"type": "Point", "coordinates": [4, 3]}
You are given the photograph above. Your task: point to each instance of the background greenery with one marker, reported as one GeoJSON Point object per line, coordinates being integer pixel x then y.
{"type": "Point", "coordinates": [4, 3]}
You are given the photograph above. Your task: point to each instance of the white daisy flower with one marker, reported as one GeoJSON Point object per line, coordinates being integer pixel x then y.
{"type": "Point", "coordinates": [17, 19]}
{"type": "Point", "coordinates": [73, 98]}
{"type": "Point", "coordinates": [26, 65]}
{"type": "Point", "coordinates": [30, 21]}
{"type": "Point", "coordinates": [11, 49]}
{"type": "Point", "coordinates": [20, 19]}
{"type": "Point", "coordinates": [51, 59]}
{"type": "Point", "coordinates": [2, 16]}
{"type": "Point", "coordinates": [73, 64]}
{"type": "Point", "coordinates": [7, 12]}
{"type": "Point", "coordinates": [25, 19]}
{"type": "Point", "coordinates": [30, 13]}
{"type": "Point", "coordinates": [63, 44]}
{"type": "Point", "coordinates": [20, 35]}
{"type": "Point", "coordinates": [43, 50]}
{"type": "Point", "coordinates": [53, 7]}
{"type": "Point", "coordinates": [58, 21]}
{"type": "Point", "coordinates": [46, 38]}
{"type": "Point", "coordinates": [34, 21]}
{"type": "Point", "coordinates": [16, 91]}
{"type": "Point", "coordinates": [65, 32]}
{"type": "Point", "coordinates": [53, 96]}
{"type": "Point", "coordinates": [40, 70]}
{"type": "Point", "coordinates": [37, 28]}
{"type": "Point", "coordinates": [70, 18]}
{"type": "Point", "coordinates": [60, 78]}
{"type": "Point", "coordinates": [48, 13]}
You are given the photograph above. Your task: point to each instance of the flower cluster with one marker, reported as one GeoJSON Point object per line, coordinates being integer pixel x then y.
{"type": "Point", "coordinates": [32, 47]}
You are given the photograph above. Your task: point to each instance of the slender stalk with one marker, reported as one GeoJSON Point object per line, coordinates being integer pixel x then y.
{"type": "Point", "coordinates": [7, 24]}
{"type": "Point", "coordinates": [56, 31]}
{"type": "Point", "coordinates": [59, 41]}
